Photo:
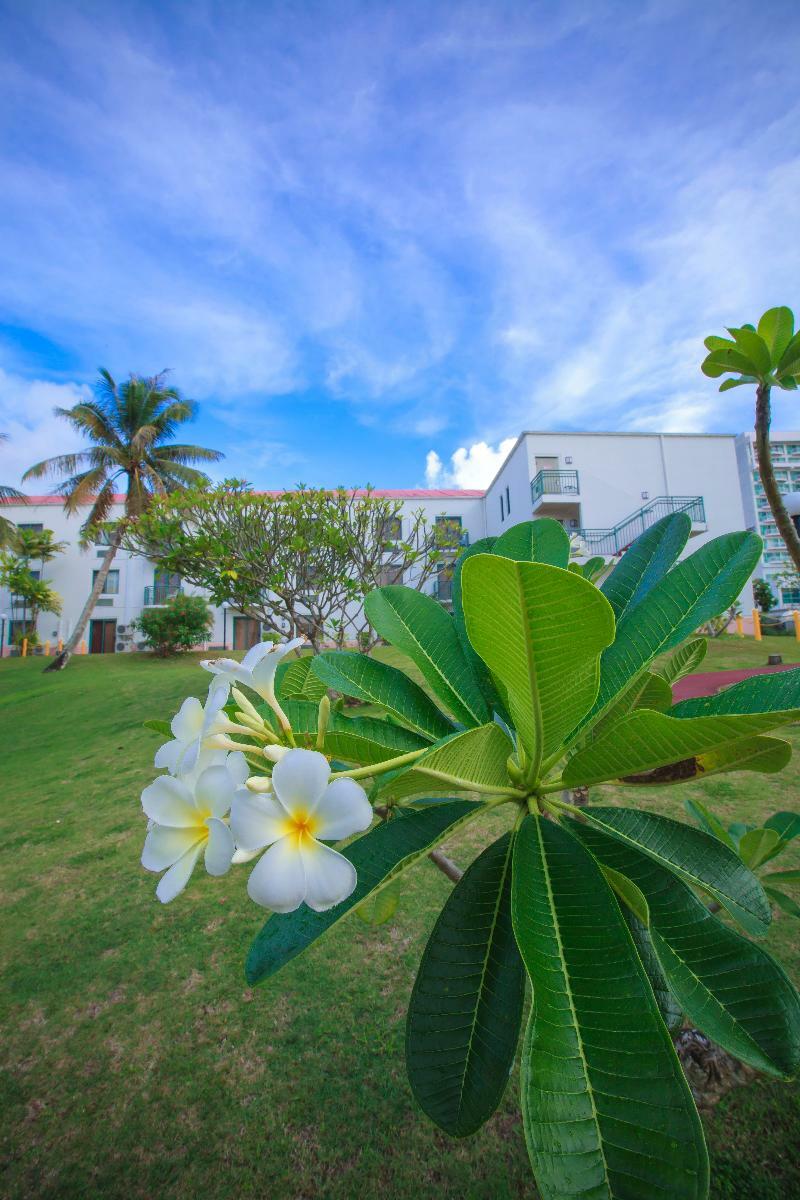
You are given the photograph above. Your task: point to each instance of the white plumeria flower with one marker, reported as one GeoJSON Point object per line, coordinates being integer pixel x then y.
{"type": "Point", "coordinates": [191, 726]}
{"type": "Point", "coordinates": [297, 867]}
{"type": "Point", "coordinates": [257, 668]}
{"type": "Point", "coordinates": [186, 817]}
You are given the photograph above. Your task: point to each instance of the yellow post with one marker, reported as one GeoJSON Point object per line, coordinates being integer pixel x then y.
{"type": "Point", "coordinates": [739, 625]}
{"type": "Point", "coordinates": [756, 625]}
{"type": "Point", "coordinates": [24, 647]}
{"type": "Point", "coordinates": [47, 649]}
{"type": "Point", "coordinates": [60, 645]}
{"type": "Point", "coordinates": [83, 647]}
{"type": "Point", "coordinates": [796, 619]}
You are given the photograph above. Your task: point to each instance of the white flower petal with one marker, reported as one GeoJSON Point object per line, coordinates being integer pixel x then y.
{"type": "Point", "coordinates": [300, 779]}
{"type": "Point", "coordinates": [278, 880]}
{"type": "Point", "coordinates": [330, 877]}
{"type": "Point", "coordinates": [169, 802]}
{"type": "Point", "coordinates": [168, 757]}
{"type": "Point", "coordinates": [173, 881]}
{"type": "Point", "coordinates": [164, 846]}
{"type": "Point", "coordinates": [245, 856]}
{"type": "Point", "coordinates": [214, 791]}
{"type": "Point", "coordinates": [344, 809]}
{"type": "Point", "coordinates": [238, 767]}
{"type": "Point", "coordinates": [220, 666]}
{"type": "Point", "coordinates": [256, 820]}
{"type": "Point", "coordinates": [188, 720]}
{"type": "Point", "coordinates": [219, 847]}
{"type": "Point", "coordinates": [255, 654]}
{"type": "Point", "coordinates": [190, 758]}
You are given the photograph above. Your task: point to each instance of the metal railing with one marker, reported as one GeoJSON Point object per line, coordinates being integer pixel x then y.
{"type": "Point", "coordinates": [554, 483]}
{"type": "Point", "coordinates": [160, 593]}
{"type": "Point", "coordinates": [614, 540]}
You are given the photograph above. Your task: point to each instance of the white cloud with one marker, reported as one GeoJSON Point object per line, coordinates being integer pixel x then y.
{"type": "Point", "coordinates": [470, 467]}
{"type": "Point", "coordinates": [33, 430]}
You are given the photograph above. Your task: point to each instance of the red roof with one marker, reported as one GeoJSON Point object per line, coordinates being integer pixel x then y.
{"type": "Point", "coordinates": [383, 493]}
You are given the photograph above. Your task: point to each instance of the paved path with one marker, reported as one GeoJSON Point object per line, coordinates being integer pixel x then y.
{"type": "Point", "coordinates": [708, 683]}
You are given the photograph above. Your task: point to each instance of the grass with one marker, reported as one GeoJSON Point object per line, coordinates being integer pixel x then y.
{"type": "Point", "coordinates": [137, 1063]}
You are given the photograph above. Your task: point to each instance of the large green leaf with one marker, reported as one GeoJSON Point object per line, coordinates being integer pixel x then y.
{"type": "Point", "coordinates": [695, 590]}
{"type": "Point", "coordinates": [728, 360]}
{"type": "Point", "coordinates": [754, 348]}
{"type": "Point", "coordinates": [465, 1011]}
{"type": "Point", "coordinates": [420, 627]}
{"type": "Point", "coordinates": [668, 1006]}
{"type": "Point", "coordinates": [645, 562]}
{"type": "Point", "coordinates": [691, 854]}
{"type": "Point", "coordinates": [540, 630]}
{"type": "Point", "coordinates": [648, 691]}
{"type": "Point", "coordinates": [786, 823]}
{"type": "Point", "coordinates": [710, 823]}
{"type": "Point", "coordinates": [295, 680]}
{"type": "Point", "coordinates": [479, 668]}
{"type": "Point", "coordinates": [776, 327]}
{"type": "Point", "coordinates": [683, 661]}
{"type": "Point", "coordinates": [368, 679]}
{"type": "Point", "coordinates": [606, 1109]}
{"type": "Point", "coordinates": [361, 740]}
{"type": "Point", "coordinates": [758, 845]}
{"type": "Point", "coordinates": [726, 985]}
{"type": "Point", "coordinates": [646, 740]}
{"type": "Point", "coordinates": [473, 761]}
{"type": "Point", "coordinates": [379, 856]}
{"type": "Point", "coordinates": [787, 903]}
{"type": "Point", "coordinates": [543, 540]}
{"type": "Point", "coordinates": [777, 693]}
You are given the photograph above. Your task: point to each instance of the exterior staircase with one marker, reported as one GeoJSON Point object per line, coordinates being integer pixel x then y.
{"type": "Point", "coordinates": [609, 542]}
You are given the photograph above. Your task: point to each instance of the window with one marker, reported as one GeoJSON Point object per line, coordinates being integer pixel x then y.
{"type": "Point", "coordinates": [392, 530]}
{"type": "Point", "coordinates": [17, 630]}
{"type": "Point", "coordinates": [791, 595]}
{"type": "Point", "coordinates": [102, 537]}
{"type": "Point", "coordinates": [502, 513]}
{"type": "Point", "coordinates": [390, 573]}
{"type": "Point", "coordinates": [34, 528]}
{"type": "Point", "coordinates": [111, 585]}
{"type": "Point", "coordinates": [508, 502]}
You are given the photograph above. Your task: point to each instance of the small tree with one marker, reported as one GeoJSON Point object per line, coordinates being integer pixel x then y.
{"type": "Point", "coordinates": [302, 561]}
{"type": "Point", "coordinates": [180, 624]}
{"type": "Point", "coordinates": [766, 357]}
{"type": "Point", "coordinates": [27, 587]}
{"type": "Point", "coordinates": [763, 595]}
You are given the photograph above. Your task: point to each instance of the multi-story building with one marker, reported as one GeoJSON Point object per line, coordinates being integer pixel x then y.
{"type": "Point", "coordinates": [776, 566]}
{"type": "Point", "coordinates": [605, 488]}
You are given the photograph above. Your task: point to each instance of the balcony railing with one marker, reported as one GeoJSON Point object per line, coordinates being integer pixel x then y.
{"type": "Point", "coordinates": [554, 483]}
{"type": "Point", "coordinates": [619, 537]}
{"type": "Point", "coordinates": [160, 593]}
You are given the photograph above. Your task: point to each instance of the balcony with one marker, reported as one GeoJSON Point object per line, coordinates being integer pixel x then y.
{"type": "Point", "coordinates": [160, 593]}
{"type": "Point", "coordinates": [555, 486]}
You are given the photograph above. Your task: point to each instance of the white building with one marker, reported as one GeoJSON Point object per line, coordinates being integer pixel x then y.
{"type": "Point", "coordinates": [606, 488]}
{"type": "Point", "coordinates": [776, 566]}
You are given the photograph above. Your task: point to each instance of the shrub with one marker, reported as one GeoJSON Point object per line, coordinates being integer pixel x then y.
{"type": "Point", "coordinates": [763, 595]}
{"type": "Point", "coordinates": [180, 624]}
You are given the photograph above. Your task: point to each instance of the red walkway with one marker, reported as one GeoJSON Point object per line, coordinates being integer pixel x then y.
{"type": "Point", "coordinates": [711, 681]}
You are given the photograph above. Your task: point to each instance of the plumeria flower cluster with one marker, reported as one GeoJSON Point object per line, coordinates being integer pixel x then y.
{"type": "Point", "coordinates": [211, 803]}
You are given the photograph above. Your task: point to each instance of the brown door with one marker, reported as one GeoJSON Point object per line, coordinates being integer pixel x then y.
{"type": "Point", "coordinates": [102, 637]}
{"type": "Point", "coordinates": [246, 632]}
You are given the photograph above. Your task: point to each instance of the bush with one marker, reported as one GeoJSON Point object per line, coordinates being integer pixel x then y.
{"type": "Point", "coordinates": [180, 624]}
{"type": "Point", "coordinates": [763, 595]}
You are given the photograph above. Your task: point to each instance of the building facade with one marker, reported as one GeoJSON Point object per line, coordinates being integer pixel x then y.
{"type": "Point", "coordinates": [776, 566]}
{"type": "Point", "coordinates": [605, 488]}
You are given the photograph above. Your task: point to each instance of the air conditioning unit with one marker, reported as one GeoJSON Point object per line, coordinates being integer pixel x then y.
{"type": "Point", "coordinates": [120, 646]}
{"type": "Point", "coordinates": [121, 628]}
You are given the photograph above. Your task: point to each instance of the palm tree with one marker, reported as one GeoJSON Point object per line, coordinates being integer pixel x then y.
{"type": "Point", "coordinates": [130, 427]}
{"type": "Point", "coordinates": [8, 530]}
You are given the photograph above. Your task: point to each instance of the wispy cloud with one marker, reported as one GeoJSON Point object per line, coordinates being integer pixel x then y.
{"type": "Point", "coordinates": [34, 433]}
{"type": "Point", "coordinates": [470, 467]}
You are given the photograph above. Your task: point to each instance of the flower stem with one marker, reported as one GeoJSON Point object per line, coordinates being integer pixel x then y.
{"type": "Point", "coordinates": [389, 764]}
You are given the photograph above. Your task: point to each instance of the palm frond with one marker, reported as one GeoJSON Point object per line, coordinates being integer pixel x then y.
{"type": "Point", "coordinates": [58, 465]}
{"type": "Point", "coordinates": [9, 493]}
{"type": "Point", "coordinates": [188, 454]}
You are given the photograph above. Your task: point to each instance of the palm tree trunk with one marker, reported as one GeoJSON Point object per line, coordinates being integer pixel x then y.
{"type": "Point", "coordinates": [783, 521]}
{"type": "Point", "coordinates": [61, 660]}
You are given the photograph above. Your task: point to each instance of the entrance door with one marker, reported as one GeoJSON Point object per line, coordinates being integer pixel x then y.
{"type": "Point", "coordinates": [102, 637]}
{"type": "Point", "coordinates": [246, 632]}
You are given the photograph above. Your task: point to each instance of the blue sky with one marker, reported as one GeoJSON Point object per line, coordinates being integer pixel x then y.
{"type": "Point", "coordinates": [367, 237]}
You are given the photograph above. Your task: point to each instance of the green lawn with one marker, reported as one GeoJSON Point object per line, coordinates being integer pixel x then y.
{"type": "Point", "coordinates": [137, 1063]}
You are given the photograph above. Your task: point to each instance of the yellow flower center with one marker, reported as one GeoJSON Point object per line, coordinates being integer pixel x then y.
{"type": "Point", "coordinates": [301, 825]}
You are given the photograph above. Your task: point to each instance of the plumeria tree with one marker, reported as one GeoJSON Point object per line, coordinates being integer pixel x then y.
{"type": "Point", "coordinates": [538, 683]}
{"type": "Point", "coordinates": [297, 560]}
{"type": "Point", "coordinates": [34, 593]}
{"type": "Point", "coordinates": [764, 357]}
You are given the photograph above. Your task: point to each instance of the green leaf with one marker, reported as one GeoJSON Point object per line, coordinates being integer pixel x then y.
{"type": "Point", "coordinates": [465, 1011]}
{"type": "Point", "coordinates": [361, 740]}
{"type": "Point", "coordinates": [645, 562]}
{"type": "Point", "coordinates": [777, 693]}
{"type": "Point", "coordinates": [783, 901]}
{"type": "Point", "coordinates": [479, 668]}
{"type": "Point", "coordinates": [543, 541]}
{"type": "Point", "coordinates": [757, 846]}
{"type": "Point", "coordinates": [368, 679]}
{"type": "Point", "coordinates": [786, 823]}
{"type": "Point", "coordinates": [540, 630]}
{"type": "Point", "coordinates": [709, 823]}
{"type": "Point", "coordinates": [473, 761]}
{"type": "Point", "coordinates": [790, 876]}
{"type": "Point", "coordinates": [668, 1006]}
{"type": "Point", "coordinates": [729, 360]}
{"type": "Point", "coordinates": [718, 343]}
{"type": "Point", "coordinates": [695, 590]}
{"type": "Point", "coordinates": [754, 348]}
{"type": "Point", "coordinates": [790, 359]}
{"type": "Point", "coordinates": [421, 629]}
{"type": "Point", "coordinates": [296, 680]}
{"type": "Point", "coordinates": [645, 741]}
{"type": "Point", "coordinates": [683, 661]}
{"type": "Point", "coordinates": [744, 381]}
{"type": "Point", "coordinates": [379, 857]}
{"type": "Point", "coordinates": [726, 985]}
{"type": "Point", "coordinates": [162, 727]}
{"type": "Point", "coordinates": [647, 691]}
{"type": "Point", "coordinates": [381, 906]}
{"type": "Point", "coordinates": [776, 327]}
{"type": "Point", "coordinates": [606, 1109]}
{"type": "Point", "coordinates": [691, 854]}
